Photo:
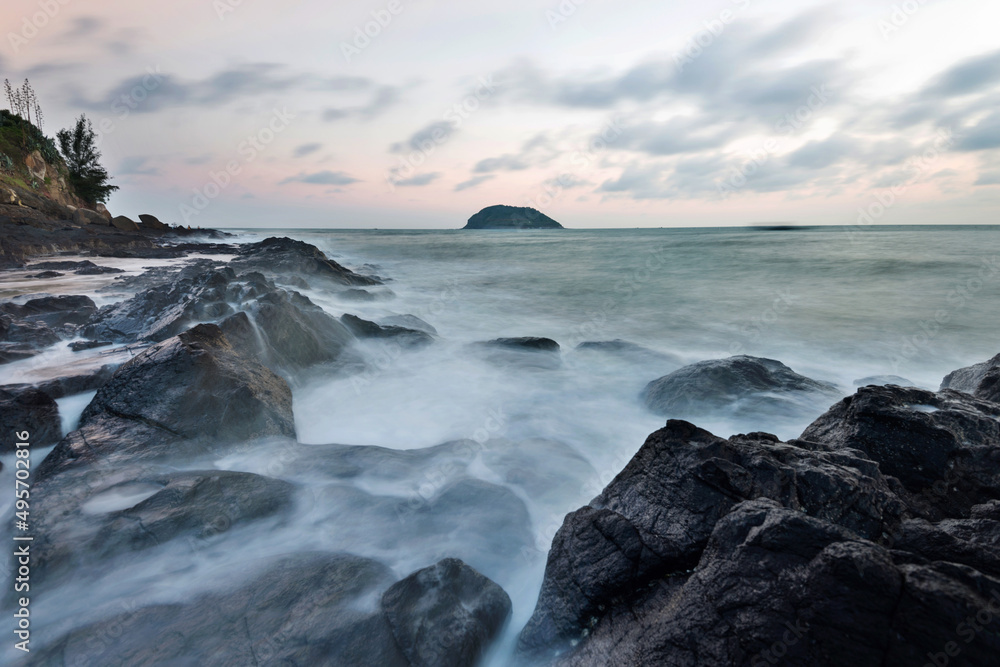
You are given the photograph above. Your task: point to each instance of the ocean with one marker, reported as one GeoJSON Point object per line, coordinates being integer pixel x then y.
{"type": "Point", "coordinates": [835, 305]}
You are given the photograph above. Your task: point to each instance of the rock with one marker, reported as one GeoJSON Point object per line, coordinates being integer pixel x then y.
{"type": "Point", "coordinates": [297, 333]}
{"type": "Point", "coordinates": [974, 542]}
{"type": "Point", "coordinates": [629, 351]}
{"type": "Point", "coordinates": [53, 311]}
{"type": "Point", "coordinates": [79, 382]}
{"type": "Point", "coordinates": [511, 217]}
{"type": "Point", "coordinates": [45, 275]}
{"type": "Point", "coordinates": [84, 216]}
{"type": "Point", "coordinates": [981, 380]}
{"type": "Point", "coordinates": [97, 270]}
{"type": "Point", "coordinates": [28, 409]}
{"type": "Point", "coordinates": [282, 256]}
{"type": "Point", "coordinates": [82, 345]}
{"type": "Point", "coordinates": [528, 344]}
{"type": "Point", "coordinates": [445, 615]}
{"type": "Point", "coordinates": [306, 609]}
{"type": "Point", "coordinates": [103, 211]}
{"type": "Point", "coordinates": [124, 223]}
{"type": "Point", "coordinates": [881, 380]}
{"type": "Point", "coordinates": [22, 338]}
{"type": "Point", "coordinates": [748, 384]}
{"type": "Point", "coordinates": [36, 165]}
{"type": "Point", "coordinates": [776, 585]}
{"type": "Point", "coordinates": [86, 518]}
{"type": "Point", "coordinates": [185, 396]}
{"type": "Point", "coordinates": [655, 518]}
{"type": "Point", "coordinates": [408, 321]}
{"type": "Point", "coordinates": [527, 353]}
{"type": "Point", "coordinates": [152, 222]}
{"type": "Point", "coordinates": [198, 294]}
{"type": "Point", "coordinates": [366, 329]}
{"type": "Point", "coordinates": [943, 447]}
{"type": "Point", "coordinates": [84, 268]}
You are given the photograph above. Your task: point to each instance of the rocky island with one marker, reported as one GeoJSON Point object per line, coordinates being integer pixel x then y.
{"type": "Point", "coordinates": [511, 217]}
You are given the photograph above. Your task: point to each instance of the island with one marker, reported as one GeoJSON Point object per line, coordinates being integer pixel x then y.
{"type": "Point", "coordinates": [511, 217]}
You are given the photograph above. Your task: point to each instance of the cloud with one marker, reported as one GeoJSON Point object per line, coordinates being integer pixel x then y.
{"type": "Point", "coordinates": [419, 181]}
{"type": "Point", "coordinates": [434, 134]}
{"type": "Point", "coordinates": [306, 149]}
{"type": "Point", "coordinates": [984, 135]}
{"type": "Point", "coordinates": [473, 182]}
{"type": "Point", "coordinates": [969, 76]}
{"type": "Point", "coordinates": [536, 151]}
{"type": "Point", "coordinates": [988, 178]}
{"type": "Point", "coordinates": [136, 166]}
{"type": "Point", "coordinates": [822, 154]}
{"type": "Point", "coordinates": [322, 178]}
{"type": "Point", "coordinates": [83, 27]}
{"type": "Point", "coordinates": [382, 99]}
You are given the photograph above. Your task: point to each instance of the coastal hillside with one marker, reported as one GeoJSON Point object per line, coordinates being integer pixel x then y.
{"type": "Point", "coordinates": [511, 217]}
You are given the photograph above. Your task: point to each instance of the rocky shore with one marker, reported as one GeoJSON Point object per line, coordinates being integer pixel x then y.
{"type": "Point", "coordinates": [872, 539]}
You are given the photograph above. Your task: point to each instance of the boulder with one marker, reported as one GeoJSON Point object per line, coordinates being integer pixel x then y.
{"type": "Point", "coordinates": [944, 448]}
{"type": "Point", "coordinates": [284, 256]}
{"type": "Point", "coordinates": [53, 311]}
{"type": "Point", "coordinates": [46, 275]}
{"type": "Point", "coordinates": [103, 211]}
{"type": "Point", "coordinates": [528, 353]}
{"type": "Point", "coordinates": [745, 384]}
{"type": "Point", "coordinates": [124, 223]}
{"type": "Point", "coordinates": [24, 408]}
{"type": "Point", "coordinates": [879, 380]}
{"type": "Point", "coordinates": [182, 397]}
{"type": "Point", "coordinates": [777, 586]}
{"type": "Point", "coordinates": [84, 216]}
{"type": "Point", "coordinates": [402, 335]}
{"type": "Point", "coordinates": [445, 615]}
{"type": "Point", "coordinates": [22, 338]}
{"type": "Point", "coordinates": [981, 380]}
{"type": "Point", "coordinates": [526, 344]}
{"type": "Point", "coordinates": [152, 222]}
{"type": "Point", "coordinates": [410, 322]}
{"type": "Point", "coordinates": [654, 520]}
{"type": "Point", "coordinates": [86, 517]}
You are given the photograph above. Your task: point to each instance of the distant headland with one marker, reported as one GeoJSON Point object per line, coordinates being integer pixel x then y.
{"type": "Point", "coordinates": [511, 217]}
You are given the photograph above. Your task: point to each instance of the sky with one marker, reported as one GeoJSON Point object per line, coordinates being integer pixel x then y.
{"type": "Point", "coordinates": [418, 113]}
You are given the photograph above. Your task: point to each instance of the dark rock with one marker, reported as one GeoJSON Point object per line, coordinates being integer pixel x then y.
{"type": "Point", "coordinates": [974, 542]}
{"type": "Point", "coordinates": [445, 615]}
{"type": "Point", "coordinates": [53, 311]}
{"type": "Point", "coordinates": [306, 609]}
{"type": "Point", "coordinates": [881, 380]}
{"type": "Point", "coordinates": [152, 222]}
{"type": "Point", "coordinates": [81, 521]}
{"type": "Point", "coordinates": [529, 344]}
{"type": "Point", "coordinates": [655, 518]}
{"type": "Point", "coordinates": [124, 223]}
{"type": "Point", "coordinates": [45, 275]}
{"type": "Point", "coordinates": [943, 447]}
{"type": "Point", "coordinates": [366, 329]}
{"type": "Point", "coordinates": [186, 395]}
{"type": "Point", "coordinates": [297, 333]}
{"type": "Point", "coordinates": [82, 345]}
{"type": "Point", "coordinates": [83, 216]}
{"type": "Point", "coordinates": [21, 338]}
{"type": "Point", "coordinates": [748, 384]}
{"type": "Point", "coordinates": [166, 310]}
{"type": "Point", "coordinates": [410, 322]}
{"type": "Point", "coordinates": [78, 382]}
{"type": "Point", "coordinates": [286, 256]}
{"type": "Point", "coordinates": [981, 380]}
{"type": "Point", "coordinates": [97, 270]}
{"type": "Point", "coordinates": [777, 585]}
{"type": "Point", "coordinates": [25, 408]}
{"type": "Point", "coordinates": [60, 265]}
{"type": "Point", "coordinates": [511, 217]}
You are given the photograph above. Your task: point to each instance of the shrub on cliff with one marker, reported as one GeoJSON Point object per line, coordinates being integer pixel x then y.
{"type": "Point", "coordinates": [88, 177]}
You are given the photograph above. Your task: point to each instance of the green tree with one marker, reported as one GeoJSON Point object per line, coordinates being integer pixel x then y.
{"type": "Point", "coordinates": [88, 177]}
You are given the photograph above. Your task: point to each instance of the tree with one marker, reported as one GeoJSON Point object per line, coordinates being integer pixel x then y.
{"type": "Point", "coordinates": [88, 177]}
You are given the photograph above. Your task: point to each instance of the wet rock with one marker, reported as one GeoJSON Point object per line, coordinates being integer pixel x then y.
{"type": "Point", "coordinates": [981, 380]}
{"type": "Point", "coordinates": [306, 609]}
{"type": "Point", "coordinates": [404, 336]}
{"type": "Point", "coordinates": [24, 408]}
{"type": "Point", "coordinates": [21, 339]}
{"type": "Point", "coordinates": [943, 447]}
{"type": "Point", "coordinates": [410, 322]}
{"type": "Point", "coordinates": [655, 518]}
{"type": "Point", "coordinates": [445, 615]}
{"type": "Point", "coordinates": [746, 384]}
{"type": "Point", "coordinates": [88, 517]}
{"type": "Point", "coordinates": [186, 395]}
{"type": "Point", "coordinates": [528, 353]}
{"type": "Point", "coordinates": [297, 334]}
{"type": "Point", "coordinates": [530, 344]}
{"type": "Point", "coordinates": [77, 381]}
{"type": "Point", "coordinates": [83, 345]}
{"type": "Point", "coordinates": [53, 311]}
{"type": "Point", "coordinates": [286, 256]}
{"type": "Point", "coordinates": [777, 585]}
{"type": "Point", "coordinates": [45, 275]}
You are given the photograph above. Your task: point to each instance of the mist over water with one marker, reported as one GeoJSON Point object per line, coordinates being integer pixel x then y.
{"type": "Point", "coordinates": [531, 441]}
